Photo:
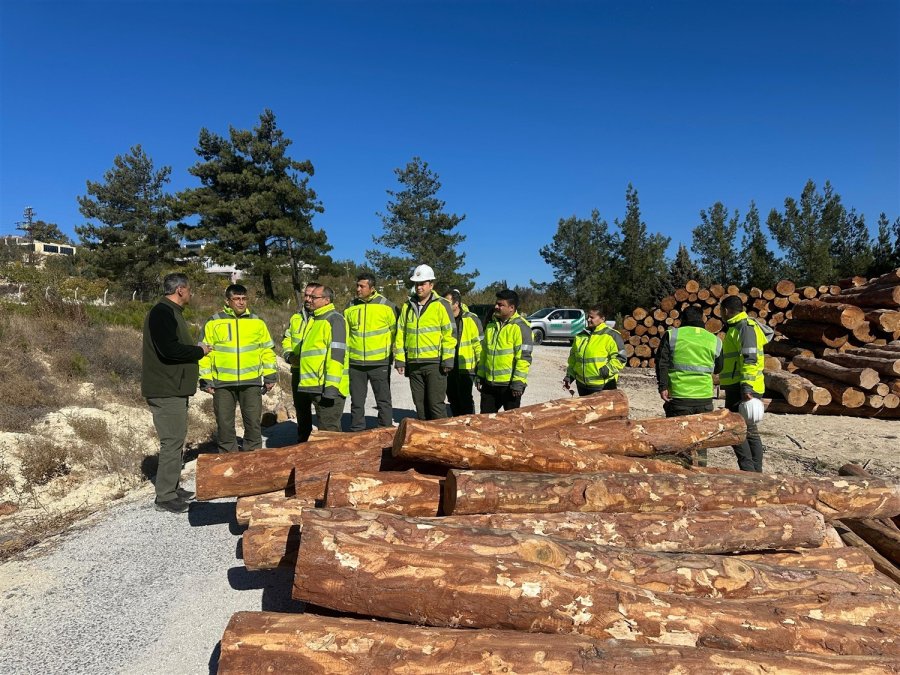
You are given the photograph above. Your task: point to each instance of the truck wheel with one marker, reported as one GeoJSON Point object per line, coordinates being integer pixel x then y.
{"type": "Point", "coordinates": [537, 335]}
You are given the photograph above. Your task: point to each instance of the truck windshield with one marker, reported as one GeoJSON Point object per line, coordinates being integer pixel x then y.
{"type": "Point", "coordinates": [541, 313]}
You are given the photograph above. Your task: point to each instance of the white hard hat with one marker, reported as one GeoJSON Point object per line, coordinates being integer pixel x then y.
{"type": "Point", "coordinates": [422, 273]}
{"type": "Point", "coordinates": [752, 410]}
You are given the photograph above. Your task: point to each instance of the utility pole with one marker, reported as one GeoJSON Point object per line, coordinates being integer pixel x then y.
{"type": "Point", "coordinates": [27, 226]}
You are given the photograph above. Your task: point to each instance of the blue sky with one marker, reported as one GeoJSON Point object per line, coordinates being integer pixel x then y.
{"type": "Point", "coordinates": [529, 112]}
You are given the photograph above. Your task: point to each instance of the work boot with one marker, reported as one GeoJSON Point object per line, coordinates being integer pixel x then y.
{"type": "Point", "coordinates": [176, 505]}
{"type": "Point", "coordinates": [184, 495]}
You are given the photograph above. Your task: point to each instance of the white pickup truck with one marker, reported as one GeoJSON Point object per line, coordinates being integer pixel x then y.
{"type": "Point", "coordinates": [556, 323]}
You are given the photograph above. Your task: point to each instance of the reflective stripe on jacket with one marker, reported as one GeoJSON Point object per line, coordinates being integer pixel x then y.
{"type": "Point", "coordinates": [743, 351]}
{"type": "Point", "coordinates": [471, 334]}
{"type": "Point", "coordinates": [293, 335]}
{"type": "Point", "coordinates": [241, 350]}
{"type": "Point", "coordinates": [694, 352]}
{"type": "Point", "coordinates": [506, 353]}
{"type": "Point", "coordinates": [426, 334]}
{"type": "Point", "coordinates": [596, 357]}
{"type": "Point", "coordinates": [323, 360]}
{"type": "Point", "coordinates": [372, 324]}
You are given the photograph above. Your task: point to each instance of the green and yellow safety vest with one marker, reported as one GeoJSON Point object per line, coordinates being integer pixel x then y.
{"type": "Point", "coordinates": [743, 353]}
{"type": "Point", "coordinates": [293, 336]}
{"type": "Point", "coordinates": [426, 334]}
{"type": "Point", "coordinates": [241, 353]}
{"type": "Point", "coordinates": [694, 351]}
{"type": "Point", "coordinates": [596, 357]}
{"type": "Point", "coordinates": [470, 336]}
{"type": "Point", "coordinates": [323, 359]}
{"type": "Point", "coordinates": [506, 353]}
{"type": "Point", "coordinates": [371, 323]}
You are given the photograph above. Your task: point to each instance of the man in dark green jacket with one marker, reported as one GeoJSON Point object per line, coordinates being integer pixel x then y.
{"type": "Point", "coordinates": [168, 379]}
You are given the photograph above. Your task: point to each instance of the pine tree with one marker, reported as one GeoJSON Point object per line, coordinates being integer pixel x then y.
{"type": "Point", "coordinates": [683, 269]}
{"type": "Point", "coordinates": [255, 204]}
{"type": "Point", "coordinates": [49, 232]}
{"type": "Point", "coordinates": [581, 255]}
{"type": "Point", "coordinates": [641, 270]}
{"type": "Point", "coordinates": [134, 242]}
{"type": "Point", "coordinates": [419, 232]}
{"type": "Point", "coordinates": [714, 242]}
{"type": "Point", "coordinates": [851, 246]}
{"type": "Point", "coordinates": [883, 248]}
{"type": "Point", "coordinates": [762, 268]}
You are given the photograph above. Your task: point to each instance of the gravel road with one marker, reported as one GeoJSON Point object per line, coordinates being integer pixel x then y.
{"type": "Point", "coordinates": [133, 590]}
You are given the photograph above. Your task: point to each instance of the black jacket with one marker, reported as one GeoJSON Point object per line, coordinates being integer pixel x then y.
{"type": "Point", "coordinates": [170, 356]}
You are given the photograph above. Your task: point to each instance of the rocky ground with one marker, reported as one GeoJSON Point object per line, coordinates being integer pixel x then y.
{"type": "Point", "coordinates": [132, 590]}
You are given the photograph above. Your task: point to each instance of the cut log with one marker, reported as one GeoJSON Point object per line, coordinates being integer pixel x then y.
{"type": "Point", "coordinates": [879, 298]}
{"type": "Point", "coordinates": [473, 591]}
{"type": "Point", "coordinates": [275, 511]}
{"type": "Point", "coordinates": [846, 559]}
{"type": "Point", "coordinates": [405, 492]}
{"type": "Point", "coordinates": [772, 363]}
{"type": "Point", "coordinates": [841, 394]}
{"type": "Point", "coordinates": [468, 492]}
{"type": "Point", "coordinates": [690, 574]}
{"type": "Point", "coordinates": [780, 407]}
{"type": "Point", "coordinates": [863, 378]}
{"type": "Point", "coordinates": [692, 286]}
{"type": "Point", "coordinates": [788, 385]}
{"type": "Point", "coordinates": [639, 313]}
{"type": "Point", "coordinates": [259, 643]}
{"type": "Point", "coordinates": [785, 287]}
{"type": "Point", "coordinates": [882, 564]}
{"type": "Point", "coordinates": [667, 304]}
{"type": "Point", "coordinates": [574, 448]}
{"type": "Point", "coordinates": [888, 367]}
{"type": "Point", "coordinates": [786, 349]}
{"type": "Point", "coordinates": [882, 538]}
{"type": "Point", "coordinates": [604, 405]}
{"type": "Point", "coordinates": [269, 546]}
{"type": "Point", "coordinates": [858, 471]}
{"type": "Point", "coordinates": [250, 473]}
{"type": "Point", "coordinates": [822, 333]}
{"type": "Point", "coordinates": [808, 292]}
{"type": "Point", "coordinates": [887, 320]}
{"type": "Point", "coordinates": [874, 352]}
{"type": "Point", "coordinates": [846, 316]}
{"type": "Point", "coordinates": [244, 505]}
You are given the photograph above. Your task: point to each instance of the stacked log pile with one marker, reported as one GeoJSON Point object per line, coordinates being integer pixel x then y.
{"type": "Point", "coordinates": [573, 546]}
{"type": "Point", "coordinates": [643, 329]}
{"type": "Point", "coordinates": [847, 344]}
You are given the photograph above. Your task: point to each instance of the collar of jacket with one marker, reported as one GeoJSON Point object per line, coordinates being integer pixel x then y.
{"type": "Point", "coordinates": [364, 301]}
{"type": "Point", "coordinates": [322, 311]}
{"type": "Point", "coordinates": [737, 318]}
{"type": "Point", "coordinates": [599, 328]}
{"type": "Point", "coordinates": [246, 315]}
{"type": "Point", "coordinates": [515, 316]}
{"type": "Point", "coordinates": [174, 305]}
{"type": "Point", "coordinates": [414, 300]}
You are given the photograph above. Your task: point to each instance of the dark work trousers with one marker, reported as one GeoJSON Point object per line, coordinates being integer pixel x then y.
{"type": "Point", "coordinates": [678, 407]}
{"type": "Point", "coordinates": [249, 398]}
{"type": "Point", "coordinates": [428, 386]}
{"type": "Point", "coordinates": [360, 377]}
{"type": "Point", "coordinates": [295, 381]}
{"type": "Point", "coordinates": [459, 392]}
{"type": "Point", "coordinates": [494, 397]}
{"type": "Point", "coordinates": [170, 415]}
{"type": "Point", "coordinates": [750, 452]}
{"type": "Point", "coordinates": [328, 414]}
{"type": "Point", "coordinates": [584, 390]}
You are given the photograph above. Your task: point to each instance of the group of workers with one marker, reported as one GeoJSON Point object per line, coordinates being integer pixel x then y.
{"type": "Point", "coordinates": [432, 340]}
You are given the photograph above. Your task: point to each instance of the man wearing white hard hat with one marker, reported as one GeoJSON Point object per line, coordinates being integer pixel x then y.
{"type": "Point", "coordinates": [425, 345]}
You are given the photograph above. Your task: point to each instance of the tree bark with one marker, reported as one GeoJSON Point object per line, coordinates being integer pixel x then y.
{"type": "Point", "coordinates": [864, 378]}
{"type": "Point", "coordinates": [260, 643]}
{"type": "Point", "coordinates": [474, 591]}
{"type": "Point", "coordinates": [251, 473]}
{"type": "Point", "coordinates": [885, 297]}
{"type": "Point", "coordinates": [788, 385]}
{"type": "Point", "coordinates": [834, 409]}
{"type": "Point", "coordinates": [567, 451]}
{"type": "Point", "coordinates": [469, 492]}
{"type": "Point", "coordinates": [889, 367]}
{"type": "Point", "coordinates": [846, 559]}
{"type": "Point", "coordinates": [269, 546]}
{"type": "Point", "coordinates": [883, 539]}
{"type": "Point", "coordinates": [882, 564]}
{"type": "Point", "coordinates": [274, 509]}
{"type": "Point", "coordinates": [841, 394]}
{"type": "Point", "coordinates": [823, 333]}
{"type": "Point", "coordinates": [408, 493]}
{"type": "Point", "coordinates": [846, 316]}
{"type": "Point", "coordinates": [696, 575]}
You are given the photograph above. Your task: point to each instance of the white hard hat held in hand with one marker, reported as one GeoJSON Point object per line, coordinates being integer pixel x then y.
{"type": "Point", "coordinates": [422, 273]}
{"type": "Point", "coordinates": [752, 411]}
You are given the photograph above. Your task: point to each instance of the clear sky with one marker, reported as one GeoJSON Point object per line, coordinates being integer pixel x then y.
{"type": "Point", "coordinates": [528, 111]}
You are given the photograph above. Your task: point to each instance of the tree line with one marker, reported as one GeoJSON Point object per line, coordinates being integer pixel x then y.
{"type": "Point", "coordinates": [254, 207]}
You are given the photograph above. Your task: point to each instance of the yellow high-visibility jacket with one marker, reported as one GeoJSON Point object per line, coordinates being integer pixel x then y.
{"type": "Point", "coordinates": [426, 334]}
{"type": "Point", "coordinates": [468, 351]}
{"type": "Point", "coordinates": [323, 359]}
{"type": "Point", "coordinates": [743, 352]}
{"type": "Point", "coordinates": [506, 353]}
{"type": "Point", "coordinates": [372, 324]}
{"type": "Point", "coordinates": [241, 353]}
{"type": "Point", "coordinates": [293, 335]}
{"type": "Point", "coordinates": [596, 357]}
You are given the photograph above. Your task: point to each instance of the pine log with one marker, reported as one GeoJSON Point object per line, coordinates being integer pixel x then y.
{"type": "Point", "coordinates": [884, 319]}
{"type": "Point", "coordinates": [882, 564]}
{"type": "Point", "coordinates": [888, 367]}
{"type": "Point", "coordinates": [769, 294]}
{"type": "Point", "coordinates": [477, 591]}
{"type": "Point", "coordinates": [891, 401]}
{"type": "Point", "coordinates": [250, 473]}
{"type": "Point", "coordinates": [788, 385]}
{"type": "Point", "coordinates": [269, 546]}
{"type": "Point", "coordinates": [568, 449]}
{"type": "Point", "coordinates": [863, 334]}
{"type": "Point", "coordinates": [667, 304]}
{"type": "Point", "coordinates": [467, 492]}
{"type": "Point", "coordinates": [681, 295]}
{"type": "Point", "coordinates": [887, 297]}
{"type": "Point", "coordinates": [846, 559]}
{"type": "Point", "coordinates": [875, 352]}
{"type": "Point", "coordinates": [835, 409]}
{"type": "Point", "coordinates": [882, 538]}
{"type": "Point", "coordinates": [781, 302]}
{"type": "Point", "coordinates": [846, 316]}
{"type": "Point", "coordinates": [863, 378]}
{"type": "Point", "coordinates": [639, 313]}
{"type": "Point", "coordinates": [244, 505]}
{"type": "Point", "coordinates": [690, 574]}
{"type": "Point", "coordinates": [259, 643]}
{"type": "Point", "coordinates": [841, 394]}
{"type": "Point", "coordinates": [808, 292]}
{"type": "Point", "coordinates": [605, 405]}
{"type": "Point", "coordinates": [822, 333]}
{"type": "Point", "coordinates": [786, 349]}
{"type": "Point", "coordinates": [874, 401]}
{"type": "Point", "coordinates": [785, 287]}
{"type": "Point", "coordinates": [405, 492]}
{"type": "Point", "coordinates": [772, 363]}
{"type": "Point", "coordinates": [851, 282]}
{"type": "Point", "coordinates": [629, 322]}
{"type": "Point", "coordinates": [285, 511]}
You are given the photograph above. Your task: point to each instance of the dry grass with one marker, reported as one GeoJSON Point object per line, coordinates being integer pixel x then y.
{"type": "Point", "coordinates": [118, 452]}
{"type": "Point", "coordinates": [42, 460]}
